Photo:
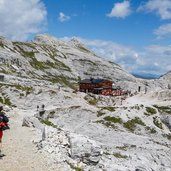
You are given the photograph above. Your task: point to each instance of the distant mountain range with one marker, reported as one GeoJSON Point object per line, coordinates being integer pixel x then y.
{"type": "Point", "coordinates": [146, 75]}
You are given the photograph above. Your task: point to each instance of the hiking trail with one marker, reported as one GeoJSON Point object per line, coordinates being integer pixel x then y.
{"type": "Point", "coordinates": [20, 153]}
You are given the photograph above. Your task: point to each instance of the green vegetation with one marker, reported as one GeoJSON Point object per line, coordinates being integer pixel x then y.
{"type": "Point", "coordinates": [113, 119]}
{"type": "Point", "coordinates": [118, 155]}
{"type": "Point", "coordinates": [76, 168]}
{"type": "Point", "coordinates": [100, 113]}
{"type": "Point", "coordinates": [81, 48]}
{"type": "Point", "coordinates": [6, 101]}
{"type": "Point", "coordinates": [1, 45]}
{"type": "Point", "coordinates": [52, 52]}
{"type": "Point", "coordinates": [1, 100]}
{"type": "Point", "coordinates": [21, 94]}
{"type": "Point", "coordinates": [51, 114]}
{"type": "Point", "coordinates": [137, 107]}
{"type": "Point", "coordinates": [48, 123]}
{"type": "Point", "coordinates": [28, 90]}
{"type": "Point", "coordinates": [5, 71]}
{"type": "Point", "coordinates": [93, 101]}
{"type": "Point", "coordinates": [109, 108]}
{"type": "Point", "coordinates": [86, 61]}
{"type": "Point", "coordinates": [152, 130]}
{"type": "Point", "coordinates": [39, 64]}
{"type": "Point", "coordinates": [150, 111]}
{"type": "Point", "coordinates": [31, 45]}
{"type": "Point", "coordinates": [168, 136]}
{"type": "Point", "coordinates": [124, 148]}
{"type": "Point", "coordinates": [163, 109]}
{"type": "Point", "coordinates": [131, 124]}
{"type": "Point", "coordinates": [157, 123]}
{"type": "Point", "coordinates": [107, 124]}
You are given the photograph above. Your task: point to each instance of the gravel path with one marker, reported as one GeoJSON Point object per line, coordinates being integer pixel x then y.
{"type": "Point", "coordinates": [20, 153]}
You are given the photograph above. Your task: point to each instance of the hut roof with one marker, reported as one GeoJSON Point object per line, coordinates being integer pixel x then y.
{"type": "Point", "coordinates": [95, 81]}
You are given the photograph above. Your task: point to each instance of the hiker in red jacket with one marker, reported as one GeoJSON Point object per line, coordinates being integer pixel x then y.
{"type": "Point", "coordinates": [3, 125]}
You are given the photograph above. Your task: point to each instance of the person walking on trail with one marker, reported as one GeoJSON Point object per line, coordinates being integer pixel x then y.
{"type": "Point", "coordinates": [3, 126]}
{"type": "Point", "coordinates": [37, 107]}
{"type": "Point", "coordinates": [42, 111]}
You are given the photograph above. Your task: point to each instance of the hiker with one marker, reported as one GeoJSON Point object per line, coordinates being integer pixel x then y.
{"type": "Point", "coordinates": [37, 107]}
{"type": "Point", "coordinates": [139, 88]}
{"type": "Point", "coordinates": [43, 107]}
{"type": "Point", "coordinates": [3, 125]}
{"type": "Point", "coordinates": [42, 111]}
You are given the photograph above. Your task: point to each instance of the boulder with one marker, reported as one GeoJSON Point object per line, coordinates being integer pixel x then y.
{"type": "Point", "coordinates": [32, 122]}
{"type": "Point", "coordinates": [167, 121]}
{"type": "Point", "coordinates": [84, 149]}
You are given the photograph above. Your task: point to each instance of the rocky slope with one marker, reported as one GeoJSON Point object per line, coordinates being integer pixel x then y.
{"type": "Point", "coordinates": [65, 62]}
{"type": "Point", "coordinates": [81, 131]}
{"type": "Point", "coordinates": [48, 58]}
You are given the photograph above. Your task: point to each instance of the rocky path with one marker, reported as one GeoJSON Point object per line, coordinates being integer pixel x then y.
{"type": "Point", "coordinates": [20, 153]}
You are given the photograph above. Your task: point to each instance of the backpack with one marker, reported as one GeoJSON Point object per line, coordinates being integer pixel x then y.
{"type": "Point", "coordinates": [3, 122]}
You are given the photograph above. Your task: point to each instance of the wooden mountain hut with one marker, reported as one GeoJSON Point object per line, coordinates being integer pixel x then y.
{"type": "Point", "coordinates": [95, 85]}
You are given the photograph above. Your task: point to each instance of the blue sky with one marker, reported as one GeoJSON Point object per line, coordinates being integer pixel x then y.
{"type": "Point", "coordinates": [88, 19]}
{"type": "Point", "coordinates": [133, 33]}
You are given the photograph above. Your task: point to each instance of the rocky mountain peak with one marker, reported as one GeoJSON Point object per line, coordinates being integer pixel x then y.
{"type": "Point", "coordinates": [47, 40]}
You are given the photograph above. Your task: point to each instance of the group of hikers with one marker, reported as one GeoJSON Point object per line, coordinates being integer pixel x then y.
{"type": "Point", "coordinates": [3, 126]}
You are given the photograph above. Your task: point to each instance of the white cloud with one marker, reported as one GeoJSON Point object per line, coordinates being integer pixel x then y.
{"type": "Point", "coordinates": [160, 56]}
{"type": "Point", "coordinates": [125, 56]}
{"type": "Point", "coordinates": [161, 7]}
{"type": "Point", "coordinates": [19, 18]}
{"type": "Point", "coordinates": [62, 17]}
{"type": "Point", "coordinates": [153, 59]}
{"type": "Point", "coordinates": [120, 10]}
{"type": "Point", "coordinates": [163, 31]}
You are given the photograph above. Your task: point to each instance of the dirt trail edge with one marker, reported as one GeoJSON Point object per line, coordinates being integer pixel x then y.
{"type": "Point", "coordinates": [20, 153]}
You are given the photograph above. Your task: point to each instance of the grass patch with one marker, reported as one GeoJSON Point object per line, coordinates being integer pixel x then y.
{"type": "Point", "coordinates": [150, 111]}
{"type": "Point", "coordinates": [124, 148]}
{"type": "Point", "coordinates": [157, 123]}
{"type": "Point", "coordinates": [76, 168]}
{"type": "Point", "coordinates": [23, 88]}
{"type": "Point", "coordinates": [6, 101]}
{"type": "Point", "coordinates": [93, 102]}
{"type": "Point", "coordinates": [109, 108]}
{"type": "Point", "coordinates": [100, 113]}
{"type": "Point", "coordinates": [107, 124]}
{"type": "Point", "coordinates": [47, 122]}
{"type": "Point", "coordinates": [28, 90]}
{"type": "Point", "coordinates": [81, 48]}
{"type": "Point", "coordinates": [113, 119]}
{"type": "Point", "coordinates": [1, 45]}
{"type": "Point", "coordinates": [119, 155]}
{"type": "Point", "coordinates": [151, 130]}
{"type": "Point", "coordinates": [21, 94]}
{"type": "Point", "coordinates": [1, 100]}
{"type": "Point", "coordinates": [168, 136]}
{"type": "Point", "coordinates": [131, 124]}
{"type": "Point", "coordinates": [165, 109]}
